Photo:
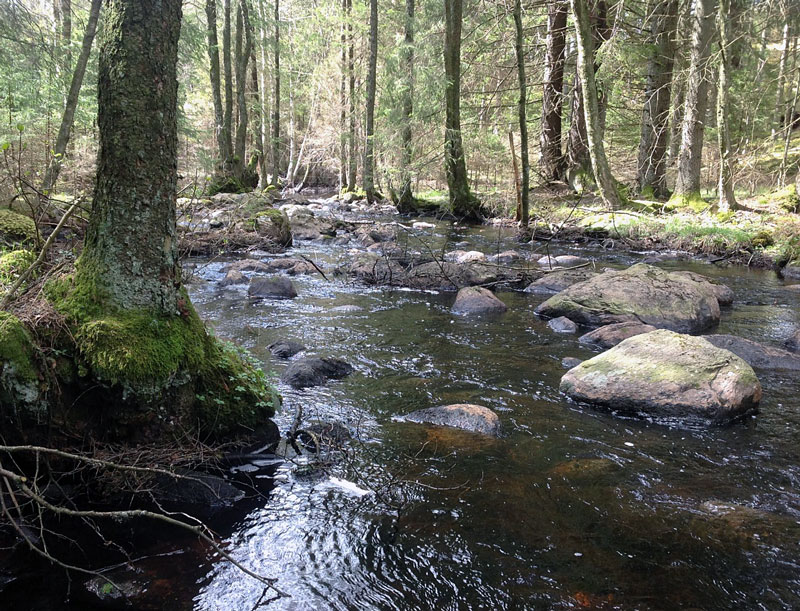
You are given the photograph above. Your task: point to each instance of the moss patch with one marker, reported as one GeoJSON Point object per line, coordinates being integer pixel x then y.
{"type": "Point", "coordinates": [16, 228]}
{"type": "Point", "coordinates": [787, 199]}
{"type": "Point", "coordinates": [13, 263]}
{"type": "Point", "coordinates": [16, 347]}
{"type": "Point", "coordinates": [692, 201]}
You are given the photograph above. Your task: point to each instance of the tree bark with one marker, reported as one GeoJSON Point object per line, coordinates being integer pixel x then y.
{"type": "Point", "coordinates": [523, 121]}
{"type": "Point", "coordinates": [651, 178]}
{"type": "Point", "coordinates": [351, 87]}
{"type": "Point", "coordinates": [68, 118]}
{"type": "Point", "coordinates": [727, 197]}
{"type": "Point", "coordinates": [552, 160]}
{"type": "Point", "coordinates": [372, 67]}
{"type": "Point", "coordinates": [687, 187]}
{"type": "Point", "coordinates": [405, 202]}
{"type": "Point", "coordinates": [227, 120]}
{"type": "Point", "coordinates": [462, 202]}
{"type": "Point", "coordinates": [343, 103]}
{"type": "Point", "coordinates": [130, 254]}
{"type": "Point", "coordinates": [242, 31]}
{"type": "Point", "coordinates": [594, 130]}
{"type": "Point", "coordinates": [214, 75]}
{"type": "Point", "coordinates": [262, 82]}
{"type": "Point", "coordinates": [276, 99]}
{"type": "Point", "coordinates": [779, 95]}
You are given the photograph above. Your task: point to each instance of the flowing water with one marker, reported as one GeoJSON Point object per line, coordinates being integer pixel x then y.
{"type": "Point", "coordinates": [570, 508]}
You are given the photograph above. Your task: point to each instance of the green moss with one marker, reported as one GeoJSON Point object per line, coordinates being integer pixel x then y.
{"type": "Point", "coordinates": [13, 263]}
{"type": "Point", "coordinates": [787, 199]}
{"type": "Point", "coordinates": [272, 213]}
{"type": "Point", "coordinates": [16, 228]}
{"type": "Point", "coordinates": [693, 201]}
{"type": "Point", "coordinates": [17, 348]}
{"type": "Point", "coordinates": [762, 239]}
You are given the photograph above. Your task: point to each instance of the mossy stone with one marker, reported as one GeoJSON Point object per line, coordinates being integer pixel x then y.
{"type": "Point", "coordinates": [16, 228]}
{"type": "Point", "coordinates": [13, 263]}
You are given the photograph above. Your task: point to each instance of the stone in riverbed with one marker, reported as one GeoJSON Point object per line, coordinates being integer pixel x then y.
{"type": "Point", "coordinates": [641, 293]}
{"type": "Point", "coordinates": [272, 287]}
{"type": "Point", "coordinates": [724, 293]}
{"type": "Point", "coordinates": [666, 375]}
{"type": "Point", "coordinates": [757, 355]}
{"type": "Point", "coordinates": [792, 270]}
{"type": "Point", "coordinates": [234, 277]}
{"type": "Point", "coordinates": [505, 258]}
{"type": "Point", "coordinates": [560, 261]}
{"type": "Point", "coordinates": [477, 300]}
{"type": "Point", "coordinates": [285, 349]}
{"type": "Point", "coordinates": [314, 371]}
{"type": "Point", "coordinates": [557, 281]}
{"type": "Point", "coordinates": [609, 336]}
{"type": "Point", "coordinates": [562, 324]}
{"type": "Point", "coordinates": [793, 343]}
{"type": "Point", "coordinates": [474, 418]}
{"type": "Point", "coordinates": [568, 362]}
{"type": "Point", "coordinates": [464, 256]}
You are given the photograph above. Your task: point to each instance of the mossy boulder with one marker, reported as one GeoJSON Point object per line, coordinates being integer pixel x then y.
{"type": "Point", "coordinates": [787, 199]}
{"type": "Point", "coordinates": [16, 229]}
{"type": "Point", "coordinates": [642, 293]}
{"type": "Point", "coordinates": [20, 399]}
{"type": "Point", "coordinates": [13, 263]}
{"type": "Point", "coordinates": [691, 201]}
{"type": "Point", "coordinates": [274, 224]}
{"type": "Point", "coordinates": [666, 375]}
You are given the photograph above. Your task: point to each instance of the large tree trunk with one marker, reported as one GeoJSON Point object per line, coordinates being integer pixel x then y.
{"type": "Point", "coordinates": [462, 202]}
{"type": "Point", "coordinates": [594, 129]}
{"type": "Point", "coordinates": [782, 68]}
{"type": "Point", "coordinates": [262, 82]}
{"type": "Point", "coordinates": [227, 120]}
{"type": "Point", "coordinates": [68, 118]}
{"type": "Point", "coordinates": [343, 103]}
{"type": "Point", "coordinates": [405, 202]}
{"type": "Point", "coordinates": [523, 121]}
{"type": "Point", "coordinates": [276, 98]}
{"type": "Point", "coordinates": [243, 57]}
{"type": "Point", "coordinates": [651, 178]}
{"type": "Point", "coordinates": [687, 187]}
{"type": "Point", "coordinates": [578, 156]}
{"type": "Point", "coordinates": [351, 90]}
{"type": "Point", "coordinates": [372, 67]}
{"type": "Point", "coordinates": [214, 75]}
{"type": "Point", "coordinates": [727, 198]}
{"type": "Point", "coordinates": [552, 160]}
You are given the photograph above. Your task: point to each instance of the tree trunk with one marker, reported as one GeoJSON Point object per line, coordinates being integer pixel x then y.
{"type": "Point", "coordinates": [727, 197]}
{"type": "Point", "coordinates": [652, 163]}
{"type": "Point", "coordinates": [242, 59]}
{"type": "Point", "coordinates": [276, 100]}
{"type": "Point", "coordinates": [552, 160]}
{"type": "Point", "coordinates": [779, 95]}
{"type": "Point", "coordinates": [257, 131]}
{"type": "Point", "coordinates": [462, 202]}
{"type": "Point", "coordinates": [262, 87]}
{"type": "Point", "coordinates": [289, 181]}
{"type": "Point", "coordinates": [523, 121]}
{"type": "Point", "coordinates": [405, 202]}
{"type": "Point", "coordinates": [594, 129]}
{"type": "Point", "coordinates": [372, 67]}
{"type": "Point", "coordinates": [343, 104]}
{"type": "Point", "coordinates": [68, 118]}
{"type": "Point", "coordinates": [227, 119]}
{"type": "Point", "coordinates": [351, 86]}
{"type": "Point", "coordinates": [216, 95]}
{"type": "Point", "coordinates": [687, 187]}
{"type": "Point", "coordinates": [66, 40]}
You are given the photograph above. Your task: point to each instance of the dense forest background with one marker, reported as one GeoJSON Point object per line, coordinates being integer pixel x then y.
{"type": "Point", "coordinates": [295, 84]}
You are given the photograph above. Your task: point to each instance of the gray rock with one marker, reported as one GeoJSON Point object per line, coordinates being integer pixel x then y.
{"type": "Point", "coordinates": [550, 262]}
{"type": "Point", "coordinates": [641, 293]}
{"type": "Point", "coordinates": [795, 288]}
{"type": "Point", "coordinates": [662, 374]}
{"type": "Point", "coordinates": [757, 355]}
{"type": "Point", "coordinates": [610, 335]}
{"type": "Point", "coordinates": [568, 362]}
{"type": "Point", "coordinates": [234, 277]}
{"type": "Point", "coordinates": [505, 258]}
{"type": "Point", "coordinates": [272, 287]}
{"type": "Point", "coordinates": [562, 324]}
{"type": "Point", "coordinates": [249, 265]}
{"type": "Point", "coordinates": [793, 343]}
{"type": "Point", "coordinates": [285, 349]}
{"type": "Point", "coordinates": [792, 270]}
{"type": "Point", "coordinates": [724, 293]}
{"type": "Point", "coordinates": [445, 276]}
{"type": "Point", "coordinates": [477, 300]}
{"type": "Point", "coordinates": [474, 418]}
{"type": "Point", "coordinates": [314, 371]}
{"type": "Point", "coordinates": [557, 281]}
{"type": "Point", "coordinates": [464, 256]}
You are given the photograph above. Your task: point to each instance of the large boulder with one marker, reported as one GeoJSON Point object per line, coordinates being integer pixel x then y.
{"type": "Point", "coordinates": [641, 293]}
{"type": "Point", "coordinates": [306, 226]}
{"type": "Point", "coordinates": [314, 371]}
{"type": "Point", "coordinates": [724, 293]}
{"type": "Point", "coordinates": [757, 355]}
{"type": "Point", "coordinates": [477, 300]}
{"type": "Point", "coordinates": [16, 229]}
{"type": "Point", "coordinates": [557, 281]}
{"type": "Point", "coordinates": [609, 336]}
{"type": "Point", "coordinates": [474, 418]}
{"type": "Point", "coordinates": [272, 287]}
{"type": "Point", "coordinates": [666, 375]}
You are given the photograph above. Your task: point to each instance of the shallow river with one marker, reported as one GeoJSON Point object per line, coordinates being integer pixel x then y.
{"type": "Point", "coordinates": [570, 508]}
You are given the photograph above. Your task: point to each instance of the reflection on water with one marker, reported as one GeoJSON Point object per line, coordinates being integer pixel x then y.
{"type": "Point", "coordinates": [571, 508]}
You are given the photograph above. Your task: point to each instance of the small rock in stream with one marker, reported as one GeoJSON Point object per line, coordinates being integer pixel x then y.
{"type": "Point", "coordinates": [562, 324]}
{"type": "Point", "coordinates": [793, 343]}
{"type": "Point", "coordinates": [568, 362]}
{"type": "Point", "coordinates": [272, 287]}
{"type": "Point", "coordinates": [285, 349]}
{"type": "Point", "coordinates": [314, 371]}
{"type": "Point", "coordinates": [473, 418]}
{"type": "Point", "coordinates": [477, 300]}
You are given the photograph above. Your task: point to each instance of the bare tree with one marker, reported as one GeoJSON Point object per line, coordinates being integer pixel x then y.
{"type": "Point", "coordinates": [552, 159]}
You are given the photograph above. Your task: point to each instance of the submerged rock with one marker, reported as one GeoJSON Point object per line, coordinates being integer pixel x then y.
{"type": "Point", "coordinates": [272, 287]}
{"type": "Point", "coordinates": [609, 336]}
{"type": "Point", "coordinates": [568, 362]}
{"type": "Point", "coordinates": [793, 343]}
{"type": "Point", "coordinates": [477, 300]}
{"type": "Point", "coordinates": [314, 371]}
{"type": "Point", "coordinates": [285, 349]}
{"type": "Point", "coordinates": [667, 375]}
{"type": "Point", "coordinates": [641, 293]}
{"type": "Point", "coordinates": [562, 324]}
{"type": "Point", "coordinates": [474, 418]}
{"type": "Point", "coordinates": [557, 281]}
{"type": "Point", "coordinates": [757, 355]}
{"type": "Point", "coordinates": [198, 494]}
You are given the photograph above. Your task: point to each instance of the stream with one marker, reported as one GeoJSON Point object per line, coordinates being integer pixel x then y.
{"type": "Point", "coordinates": [570, 508]}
